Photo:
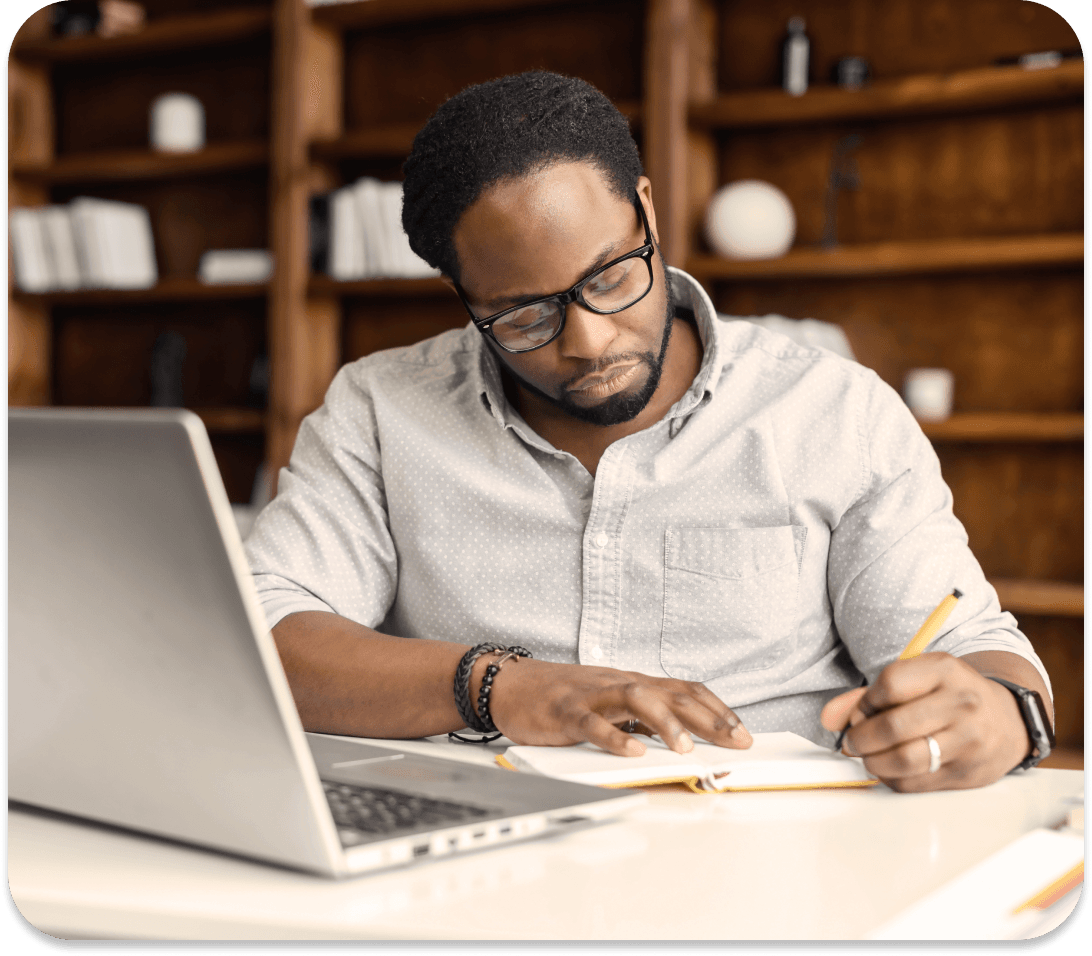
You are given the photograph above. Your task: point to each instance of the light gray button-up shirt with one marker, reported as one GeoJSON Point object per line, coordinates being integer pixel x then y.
{"type": "Point", "coordinates": [779, 535]}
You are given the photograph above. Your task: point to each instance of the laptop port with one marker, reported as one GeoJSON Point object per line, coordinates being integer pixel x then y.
{"type": "Point", "coordinates": [421, 850]}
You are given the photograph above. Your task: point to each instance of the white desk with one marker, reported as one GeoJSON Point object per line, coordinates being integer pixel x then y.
{"type": "Point", "coordinates": [684, 866]}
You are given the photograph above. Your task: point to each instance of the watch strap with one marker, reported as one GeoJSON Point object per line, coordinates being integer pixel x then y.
{"type": "Point", "coordinates": [1036, 722]}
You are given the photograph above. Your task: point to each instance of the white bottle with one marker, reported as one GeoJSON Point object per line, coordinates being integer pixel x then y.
{"type": "Point", "coordinates": [795, 57]}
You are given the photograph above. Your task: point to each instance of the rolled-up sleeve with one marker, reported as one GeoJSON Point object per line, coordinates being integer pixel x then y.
{"type": "Point", "coordinates": [324, 542]}
{"type": "Point", "coordinates": [899, 549]}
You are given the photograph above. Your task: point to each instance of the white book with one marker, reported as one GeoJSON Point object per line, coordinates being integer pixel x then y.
{"type": "Point", "coordinates": [397, 243]}
{"type": "Point", "coordinates": [129, 247]}
{"type": "Point", "coordinates": [373, 227]}
{"type": "Point", "coordinates": [89, 242]}
{"type": "Point", "coordinates": [227, 266]}
{"type": "Point", "coordinates": [28, 248]}
{"type": "Point", "coordinates": [61, 246]}
{"type": "Point", "coordinates": [775, 761]}
{"type": "Point", "coordinates": [346, 255]}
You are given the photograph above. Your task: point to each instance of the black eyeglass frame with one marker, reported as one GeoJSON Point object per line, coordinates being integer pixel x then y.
{"type": "Point", "coordinates": [574, 294]}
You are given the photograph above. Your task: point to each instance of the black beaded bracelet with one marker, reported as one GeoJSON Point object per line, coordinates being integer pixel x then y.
{"type": "Point", "coordinates": [462, 684]}
{"type": "Point", "coordinates": [487, 685]}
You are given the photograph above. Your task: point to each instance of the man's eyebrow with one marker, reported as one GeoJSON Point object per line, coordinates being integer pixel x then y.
{"type": "Point", "coordinates": [501, 303]}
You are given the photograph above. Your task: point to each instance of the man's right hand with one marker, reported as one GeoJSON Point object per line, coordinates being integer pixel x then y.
{"type": "Point", "coordinates": [538, 702]}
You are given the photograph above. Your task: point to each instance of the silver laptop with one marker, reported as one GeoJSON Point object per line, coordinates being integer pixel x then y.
{"type": "Point", "coordinates": [145, 691]}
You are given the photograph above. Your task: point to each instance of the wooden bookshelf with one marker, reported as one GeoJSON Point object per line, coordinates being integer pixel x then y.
{"type": "Point", "coordinates": [127, 165]}
{"type": "Point", "coordinates": [168, 289]}
{"type": "Point", "coordinates": [1056, 598]}
{"type": "Point", "coordinates": [377, 13]}
{"type": "Point", "coordinates": [965, 91]}
{"type": "Point", "coordinates": [179, 32]}
{"type": "Point", "coordinates": [922, 257]}
{"type": "Point", "coordinates": [1008, 427]}
{"type": "Point", "coordinates": [320, 285]}
{"type": "Point", "coordinates": [396, 139]}
{"type": "Point", "coordinates": [231, 421]}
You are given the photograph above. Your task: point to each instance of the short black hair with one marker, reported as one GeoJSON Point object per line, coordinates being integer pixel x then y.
{"type": "Point", "coordinates": [504, 129]}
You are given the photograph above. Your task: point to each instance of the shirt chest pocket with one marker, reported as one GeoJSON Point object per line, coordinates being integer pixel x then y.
{"type": "Point", "coordinates": [730, 599]}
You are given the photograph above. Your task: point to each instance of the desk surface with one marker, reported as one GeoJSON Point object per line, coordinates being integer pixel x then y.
{"type": "Point", "coordinates": [683, 866]}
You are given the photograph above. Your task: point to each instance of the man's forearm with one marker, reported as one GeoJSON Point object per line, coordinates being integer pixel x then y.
{"type": "Point", "coordinates": [1011, 667]}
{"type": "Point", "coordinates": [349, 679]}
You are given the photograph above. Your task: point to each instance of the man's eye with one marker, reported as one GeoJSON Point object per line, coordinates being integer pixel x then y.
{"type": "Point", "coordinates": [609, 280]}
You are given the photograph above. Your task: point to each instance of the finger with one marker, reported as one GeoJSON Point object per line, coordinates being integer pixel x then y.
{"type": "Point", "coordinates": [835, 713]}
{"type": "Point", "coordinates": [902, 681]}
{"type": "Point", "coordinates": [725, 719]}
{"type": "Point", "coordinates": [649, 705]}
{"type": "Point", "coordinates": [914, 758]}
{"type": "Point", "coordinates": [902, 724]}
{"type": "Point", "coordinates": [598, 730]}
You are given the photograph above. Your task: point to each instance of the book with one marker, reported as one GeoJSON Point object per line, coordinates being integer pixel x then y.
{"type": "Point", "coordinates": [230, 266]}
{"type": "Point", "coordinates": [775, 761]}
{"type": "Point", "coordinates": [30, 257]}
{"type": "Point", "coordinates": [114, 242]}
{"type": "Point", "coordinates": [61, 246]}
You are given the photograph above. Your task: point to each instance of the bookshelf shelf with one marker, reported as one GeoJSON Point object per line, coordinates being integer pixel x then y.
{"type": "Point", "coordinates": [169, 289]}
{"type": "Point", "coordinates": [144, 164]}
{"type": "Point", "coordinates": [919, 257]}
{"type": "Point", "coordinates": [375, 13]}
{"type": "Point", "coordinates": [1052, 598]}
{"type": "Point", "coordinates": [157, 36]}
{"type": "Point", "coordinates": [1008, 427]}
{"type": "Point", "coordinates": [232, 421]}
{"type": "Point", "coordinates": [920, 95]}
{"type": "Point", "coordinates": [320, 285]}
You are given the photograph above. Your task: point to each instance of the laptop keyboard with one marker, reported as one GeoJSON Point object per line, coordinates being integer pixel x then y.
{"type": "Point", "coordinates": [371, 811]}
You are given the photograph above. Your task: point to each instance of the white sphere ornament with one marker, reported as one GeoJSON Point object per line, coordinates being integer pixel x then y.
{"type": "Point", "coordinates": [750, 219]}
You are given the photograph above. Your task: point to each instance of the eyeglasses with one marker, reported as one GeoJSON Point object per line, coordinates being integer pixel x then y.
{"type": "Point", "coordinates": [622, 282]}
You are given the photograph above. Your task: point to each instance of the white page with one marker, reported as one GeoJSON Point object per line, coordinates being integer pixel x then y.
{"type": "Point", "coordinates": [774, 759]}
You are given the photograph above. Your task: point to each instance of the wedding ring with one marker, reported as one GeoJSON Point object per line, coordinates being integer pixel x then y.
{"type": "Point", "coordinates": [934, 755]}
{"type": "Point", "coordinates": [631, 726]}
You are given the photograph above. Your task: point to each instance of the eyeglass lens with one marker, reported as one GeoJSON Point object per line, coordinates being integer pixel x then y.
{"type": "Point", "coordinates": [615, 288]}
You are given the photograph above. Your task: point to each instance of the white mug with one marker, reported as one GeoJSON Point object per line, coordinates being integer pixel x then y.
{"type": "Point", "coordinates": [928, 392]}
{"type": "Point", "coordinates": [177, 123]}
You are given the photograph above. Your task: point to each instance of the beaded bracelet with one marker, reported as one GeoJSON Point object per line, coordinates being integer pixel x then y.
{"type": "Point", "coordinates": [487, 685]}
{"type": "Point", "coordinates": [462, 684]}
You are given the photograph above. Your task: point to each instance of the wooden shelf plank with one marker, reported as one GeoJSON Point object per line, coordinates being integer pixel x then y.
{"type": "Point", "coordinates": [168, 33]}
{"type": "Point", "coordinates": [396, 139]}
{"type": "Point", "coordinates": [320, 285]}
{"type": "Point", "coordinates": [373, 13]}
{"type": "Point", "coordinates": [1008, 426]}
{"type": "Point", "coordinates": [231, 421]}
{"type": "Point", "coordinates": [933, 256]}
{"type": "Point", "coordinates": [926, 94]}
{"type": "Point", "coordinates": [1053, 598]}
{"type": "Point", "coordinates": [169, 289]}
{"type": "Point", "coordinates": [125, 165]}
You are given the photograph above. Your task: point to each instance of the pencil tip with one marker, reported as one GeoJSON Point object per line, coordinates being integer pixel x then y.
{"type": "Point", "coordinates": [957, 593]}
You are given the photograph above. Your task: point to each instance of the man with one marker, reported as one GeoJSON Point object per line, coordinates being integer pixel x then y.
{"type": "Point", "coordinates": [672, 512]}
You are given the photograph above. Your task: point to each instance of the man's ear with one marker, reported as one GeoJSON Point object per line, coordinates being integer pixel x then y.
{"type": "Point", "coordinates": [644, 192]}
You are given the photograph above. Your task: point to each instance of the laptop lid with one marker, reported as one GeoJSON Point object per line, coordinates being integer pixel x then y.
{"type": "Point", "coordinates": [145, 689]}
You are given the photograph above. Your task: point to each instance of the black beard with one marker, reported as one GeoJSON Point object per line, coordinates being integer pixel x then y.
{"type": "Point", "coordinates": [620, 408]}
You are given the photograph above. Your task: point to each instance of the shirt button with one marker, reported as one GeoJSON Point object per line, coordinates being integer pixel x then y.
{"type": "Point", "coordinates": [601, 540]}
{"type": "Point", "coordinates": [597, 653]}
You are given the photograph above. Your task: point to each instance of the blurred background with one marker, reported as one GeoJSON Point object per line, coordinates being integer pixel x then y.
{"type": "Point", "coordinates": [203, 209]}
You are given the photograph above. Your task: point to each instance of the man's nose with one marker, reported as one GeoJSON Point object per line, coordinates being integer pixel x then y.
{"type": "Point", "coordinates": [587, 335]}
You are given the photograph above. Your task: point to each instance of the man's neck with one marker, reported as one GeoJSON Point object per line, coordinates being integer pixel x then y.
{"type": "Point", "coordinates": [587, 442]}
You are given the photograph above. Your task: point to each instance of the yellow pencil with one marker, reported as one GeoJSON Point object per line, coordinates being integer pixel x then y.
{"type": "Point", "coordinates": [921, 640]}
{"type": "Point", "coordinates": [932, 624]}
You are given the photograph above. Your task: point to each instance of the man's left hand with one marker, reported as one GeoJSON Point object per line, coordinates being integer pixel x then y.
{"type": "Point", "coordinates": [974, 721]}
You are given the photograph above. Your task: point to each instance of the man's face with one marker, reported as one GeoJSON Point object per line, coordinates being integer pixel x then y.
{"type": "Point", "coordinates": [541, 234]}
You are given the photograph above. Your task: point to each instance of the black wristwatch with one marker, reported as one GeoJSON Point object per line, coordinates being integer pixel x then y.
{"type": "Point", "coordinates": [1036, 721]}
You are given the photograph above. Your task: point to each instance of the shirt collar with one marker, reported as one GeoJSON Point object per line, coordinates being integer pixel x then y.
{"type": "Point", "coordinates": [688, 294]}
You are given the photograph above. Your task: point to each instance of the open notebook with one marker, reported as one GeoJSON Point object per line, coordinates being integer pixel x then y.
{"type": "Point", "coordinates": [775, 761]}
